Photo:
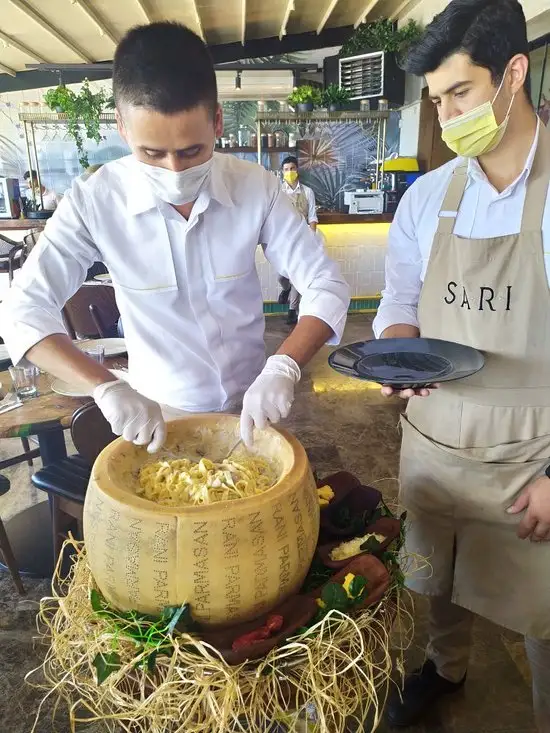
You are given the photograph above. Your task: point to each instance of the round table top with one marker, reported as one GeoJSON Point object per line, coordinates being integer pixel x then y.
{"type": "Point", "coordinates": [46, 412]}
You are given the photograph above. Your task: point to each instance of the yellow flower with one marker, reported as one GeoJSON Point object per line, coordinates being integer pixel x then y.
{"type": "Point", "coordinates": [348, 580]}
{"type": "Point", "coordinates": [325, 494]}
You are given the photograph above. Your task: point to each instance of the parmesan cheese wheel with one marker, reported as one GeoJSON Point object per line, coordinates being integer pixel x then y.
{"type": "Point", "coordinates": [232, 561]}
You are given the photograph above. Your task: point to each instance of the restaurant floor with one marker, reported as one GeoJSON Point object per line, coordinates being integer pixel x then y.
{"type": "Point", "coordinates": [344, 425]}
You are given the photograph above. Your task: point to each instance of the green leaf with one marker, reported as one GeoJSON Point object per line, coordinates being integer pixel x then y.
{"type": "Point", "coordinates": [152, 662]}
{"type": "Point", "coordinates": [370, 545]}
{"type": "Point", "coordinates": [335, 597]}
{"type": "Point", "coordinates": [176, 617]}
{"type": "Point", "coordinates": [96, 599]}
{"type": "Point", "coordinates": [105, 664]}
{"type": "Point", "coordinates": [357, 586]}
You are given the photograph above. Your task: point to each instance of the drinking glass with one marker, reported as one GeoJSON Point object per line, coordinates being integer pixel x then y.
{"type": "Point", "coordinates": [95, 352]}
{"type": "Point", "coordinates": [24, 381]}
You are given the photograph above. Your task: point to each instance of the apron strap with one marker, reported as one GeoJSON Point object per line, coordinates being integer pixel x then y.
{"type": "Point", "coordinates": [453, 197]}
{"type": "Point", "coordinates": [537, 184]}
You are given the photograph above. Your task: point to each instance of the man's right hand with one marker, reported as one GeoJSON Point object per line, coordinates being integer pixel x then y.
{"type": "Point", "coordinates": [138, 419]}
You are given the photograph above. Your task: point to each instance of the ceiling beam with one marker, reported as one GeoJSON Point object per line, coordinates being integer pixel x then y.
{"type": "Point", "coordinates": [243, 22]}
{"type": "Point", "coordinates": [198, 19]}
{"type": "Point", "coordinates": [145, 10]}
{"type": "Point", "coordinates": [407, 5]}
{"type": "Point", "coordinates": [35, 16]}
{"type": "Point", "coordinates": [369, 7]}
{"type": "Point", "coordinates": [22, 48]}
{"type": "Point", "coordinates": [326, 15]}
{"type": "Point", "coordinates": [288, 11]}
{"type": "Point", "coordinates": [274, 46]}
{"type": "Point", "coordinates": [92, 15]}
{"type": "Point", "coordinates": [7, 70]}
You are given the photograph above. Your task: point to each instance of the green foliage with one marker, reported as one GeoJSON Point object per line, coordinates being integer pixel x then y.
{"type": "Point", "coordinates": [333, 94]}
{"type": "Point", "coordinates": [83, 111]}
{"type": "Point", "coordinates": [304, 94]}
{"type": "Point", "coordinates": [381, 35]}
{"type": "Point", "coordinates": [150, 634]}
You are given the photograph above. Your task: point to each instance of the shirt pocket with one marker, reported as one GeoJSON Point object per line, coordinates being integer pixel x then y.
{"type": "Point", "coordinates": [148, 269]}
{"type": "Point", "coordinates": [230, 262]}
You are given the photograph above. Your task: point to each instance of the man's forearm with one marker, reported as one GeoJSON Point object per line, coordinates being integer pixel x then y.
{"type": "Point", "coordinates": [400, 331]}
{"type": "Point", "coordinates": [57, 355]}
{"type": "Point", "coordinates": [306, 339]}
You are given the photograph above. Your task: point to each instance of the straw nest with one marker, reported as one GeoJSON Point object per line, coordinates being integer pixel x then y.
{"type": "Point", "coordinates": [330, 679]}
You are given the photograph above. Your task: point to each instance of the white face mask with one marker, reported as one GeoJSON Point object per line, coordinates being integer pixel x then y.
{"type": "Point", "coordinates": [177, 187]}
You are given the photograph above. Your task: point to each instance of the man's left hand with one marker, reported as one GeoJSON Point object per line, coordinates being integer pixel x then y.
{"type": "Point", "coordinates": [270, 396]}
{"type": "Point", "coordinates": [534, 500]}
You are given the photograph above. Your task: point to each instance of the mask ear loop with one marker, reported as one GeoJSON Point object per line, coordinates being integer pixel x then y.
{"type": "Point", "coordinates": [498, 92]}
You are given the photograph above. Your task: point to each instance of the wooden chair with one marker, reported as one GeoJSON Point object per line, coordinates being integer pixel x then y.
{"type": "Point", "coordinates": [5, 547]}
{"type": "Point", "coordinates": [66, 481]}
{"type": "Point", "coordinates": [92, 312]}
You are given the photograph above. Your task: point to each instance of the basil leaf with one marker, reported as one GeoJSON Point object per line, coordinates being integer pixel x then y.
{"type": "Point", "coordinates": [105, 664]}
{"type": "Point", "coordinates": [334, 597]}
{"type": "Point", "coordinates": [357, 586]}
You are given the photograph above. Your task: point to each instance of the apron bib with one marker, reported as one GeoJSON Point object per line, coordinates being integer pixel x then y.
{"type": "Point", "coordinates": [470, 447]}
{"type": "Point", "coordinates": [301, 203]}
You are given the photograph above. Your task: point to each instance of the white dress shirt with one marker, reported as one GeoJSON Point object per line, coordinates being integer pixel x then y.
{"type": "Point", "coordinates": [188, 291]}
{"type": "Point", "coordinates": [50, 200]}
{"type": "Point", "coordinates": [310, 196]}
{"type": "Point", "coordinates": [483, 213]}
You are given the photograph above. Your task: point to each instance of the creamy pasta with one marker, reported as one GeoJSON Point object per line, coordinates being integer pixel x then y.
{"type": "Point", "coordinates": [182, 481]}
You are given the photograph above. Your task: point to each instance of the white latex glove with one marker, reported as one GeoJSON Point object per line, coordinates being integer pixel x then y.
{"type": "Point", "coordinates": [270, 396]}
{"type": "Point", "coordinates": [138, 419]}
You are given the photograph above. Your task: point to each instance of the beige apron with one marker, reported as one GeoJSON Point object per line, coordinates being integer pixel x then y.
{"type": "Point", "coordinates": [301, 203]}
{"type": "Point", "coordinates": [471, 446]}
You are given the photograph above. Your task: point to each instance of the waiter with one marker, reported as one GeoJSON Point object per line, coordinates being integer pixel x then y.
{"type": "Point", "coordinates": [466, 262]}
{"type": "Point", "coordinates": [303, 199]}
{"type": "Point", "coordinates": [177, 227]}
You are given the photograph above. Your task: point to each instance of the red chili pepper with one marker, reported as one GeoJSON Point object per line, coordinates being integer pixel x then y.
{"type": "Point", "coordinates": [273, 623]}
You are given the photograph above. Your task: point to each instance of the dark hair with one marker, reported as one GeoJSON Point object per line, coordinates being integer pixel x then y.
{"type": "Point", "coordinates": [289, 160]}
{"type": "Point", "coordinates": [491, 32]}
{"type": "Point", "coordinates": [166, 67]}
{"type": "Point", "coordinates": [30, 173]}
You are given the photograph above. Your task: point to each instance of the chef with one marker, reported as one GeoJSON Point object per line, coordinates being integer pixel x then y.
{"type": "Point", "coordinates": [177, 226]}
{"type": "Point", "coordinates": [303, 199]}
{"type": "Point", "coordinates": [466, 262]}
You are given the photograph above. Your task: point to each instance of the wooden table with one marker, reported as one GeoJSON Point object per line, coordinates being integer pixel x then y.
{"type": "Point", "coordinates": [46, 416]}
{"type": "Point", "coordinates": [11, 225]}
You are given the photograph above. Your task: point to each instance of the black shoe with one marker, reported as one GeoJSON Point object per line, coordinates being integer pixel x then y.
{"type": "Point", "coordinates": [284, 296]}
{"type": "Point", "coordinates": [292, 318]}
{"type": "Point", "coordinates": [422, 690]}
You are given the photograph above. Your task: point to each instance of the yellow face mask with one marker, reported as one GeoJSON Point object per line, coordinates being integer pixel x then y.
{"type": "Point", "coordinates": [290, 176]}
{"type": "Point", "coordinates": [476, 132]}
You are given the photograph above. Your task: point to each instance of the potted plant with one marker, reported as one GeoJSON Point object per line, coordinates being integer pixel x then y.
{"type": "Point", "coordinates": [381, 35]}
{"type": "Point", "coordinates": [335, 98]}
{"type": "Point", "coordinates": [305, 98]}
{"type": "Point", "coordinates": [82, 111]}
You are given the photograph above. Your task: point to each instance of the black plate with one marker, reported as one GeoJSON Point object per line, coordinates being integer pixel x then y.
{"type": "Point", "coordinates": [407, 363]}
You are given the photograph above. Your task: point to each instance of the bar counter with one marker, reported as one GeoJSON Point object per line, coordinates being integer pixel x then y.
{"type": "Point", "coordinates": [358, 243]}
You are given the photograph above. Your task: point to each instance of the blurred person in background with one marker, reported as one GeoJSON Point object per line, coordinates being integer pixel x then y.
{"type": "Point", "coordinates": [303, 200]}
{"type": "Point", "coordinates": [49, 199]}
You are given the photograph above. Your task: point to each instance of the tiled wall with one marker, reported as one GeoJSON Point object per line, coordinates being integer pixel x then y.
{"type": "Point", "coordinates": [359, 249]}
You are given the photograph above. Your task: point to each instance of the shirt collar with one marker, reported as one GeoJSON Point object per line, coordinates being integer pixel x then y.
{"type": "Point", "coordinates": [476, 173]}
{"type": "Point", "coordinates": [142, 198]}
{"type": "Point", "coordinates": [297, 189]}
